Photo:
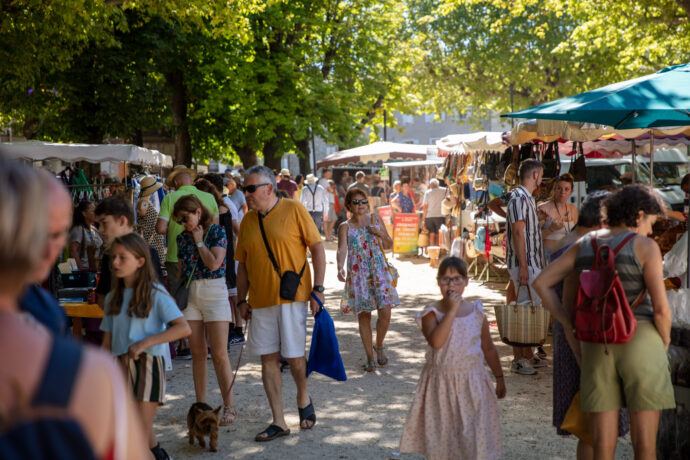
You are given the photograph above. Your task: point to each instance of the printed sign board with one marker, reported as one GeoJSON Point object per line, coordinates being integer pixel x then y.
{"type": "Point", "coordinates": [405, 233]}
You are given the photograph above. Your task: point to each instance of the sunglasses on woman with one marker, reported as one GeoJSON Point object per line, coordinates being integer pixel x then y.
{"type": "Point", "coordinates": [183, 220]}
{"type": "Point", "coordinates": [362, 201]}
{"type": "Point", "coordinates": [252, 188]}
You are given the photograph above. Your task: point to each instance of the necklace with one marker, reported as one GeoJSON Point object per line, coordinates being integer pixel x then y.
{"type": "Point", "coordinates": [566, 223]}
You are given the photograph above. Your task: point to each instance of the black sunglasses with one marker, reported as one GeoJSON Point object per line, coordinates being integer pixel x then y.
{"type": "Point", "coordinates": [182, 221]}
{"type": "Point", "coordinates": [252, 188]}
{"type": "Point", "coordinates": [362, 201]}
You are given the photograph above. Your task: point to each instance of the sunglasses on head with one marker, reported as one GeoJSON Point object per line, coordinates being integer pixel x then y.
{"type": "Point", "coordinates": [253, 188]}
{"type": "Point", "coordinates": [183, 220]}
{"type": "Point", "coordinates": [362, 201]}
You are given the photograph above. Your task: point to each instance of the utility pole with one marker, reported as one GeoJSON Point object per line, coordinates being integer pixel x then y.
{"type": "Point", "coordinates": [384, 126]}
{"type": "Point", "coordinates": [512, 120]}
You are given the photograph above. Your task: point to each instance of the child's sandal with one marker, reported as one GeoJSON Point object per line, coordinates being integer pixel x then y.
{"type": "Point", "coordinates": [229, 416]}
{"type": "Point", "coordinates": [383, 360]}
{"type": "Point", "coordinates": [370, 366]}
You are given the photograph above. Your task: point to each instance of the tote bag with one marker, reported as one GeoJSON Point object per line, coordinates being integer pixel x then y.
{"type": "Point", "coordinates": [522, 324]}
{"type": "Point", "coordinates": [324, 354]}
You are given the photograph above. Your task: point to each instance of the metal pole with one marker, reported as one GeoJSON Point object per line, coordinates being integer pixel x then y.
{"type": "Point", "coordinates": [313, 152]}
{"type": "Point", "coordinates": [512, 120]}
{"type": "Point", "coordinates": [651, 158]}
{"type": "Point", "coordinates": [633, 162]}
{"type": "Point", "coordinates": [384, 126]}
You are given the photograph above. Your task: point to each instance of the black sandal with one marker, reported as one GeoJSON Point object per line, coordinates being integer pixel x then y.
{"type": "Point", "coordinates": [307, 413]}
{"type": "Point", "coordinates": [272, 432]}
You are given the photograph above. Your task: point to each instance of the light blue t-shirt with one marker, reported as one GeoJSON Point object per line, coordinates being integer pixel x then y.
{"type": "Point", "coordinates": [127, 330]}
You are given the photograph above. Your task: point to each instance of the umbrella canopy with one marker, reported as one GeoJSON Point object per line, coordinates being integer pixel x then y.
{"type": "Point", "coordinates": [659, 99]}
{"type": "Point", "coordinates": [465, 143]}
{"type": "Point", "coordinates": [378, 151]}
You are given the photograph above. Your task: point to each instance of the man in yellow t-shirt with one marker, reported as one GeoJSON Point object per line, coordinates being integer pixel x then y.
{"type": "Point", "coordinates": [278, 326]}
{"type": "Point", "coordinates": [181, 178]}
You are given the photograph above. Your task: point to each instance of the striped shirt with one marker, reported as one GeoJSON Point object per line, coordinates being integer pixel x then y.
{"type": "Point", "coordinates": [522, 207]}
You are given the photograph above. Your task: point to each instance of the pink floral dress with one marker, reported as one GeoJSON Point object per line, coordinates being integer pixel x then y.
{"type": "Point", "coordinates": [369, 284]}
{"type": "Point", "coordinates": [454, 413]}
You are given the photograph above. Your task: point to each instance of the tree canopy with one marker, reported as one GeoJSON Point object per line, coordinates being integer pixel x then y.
{"type": "Point", "coordinates": [251, 78]}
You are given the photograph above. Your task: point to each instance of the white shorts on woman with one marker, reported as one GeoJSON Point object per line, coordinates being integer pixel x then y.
{"type": "Point", "coordinates": [208, 301]}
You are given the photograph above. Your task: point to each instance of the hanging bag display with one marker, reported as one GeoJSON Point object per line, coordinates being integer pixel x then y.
{"type": "Point", "coordinates": [289, 280]}
{"type": "Point", "coordinates": [602, 312]}
{"type": "Point", "coordinates": [510, 176]}
{"type": "Point", "coordinates": [522, 324]}
{"type": "Point", "coordinates": [552, 161]}
{"type": "Point", "coordinates": [577, 166]}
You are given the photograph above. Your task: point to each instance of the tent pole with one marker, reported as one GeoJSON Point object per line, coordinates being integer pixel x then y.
{"type": "Point", "coordinates": [651, 158]}
{"type": "Point", "coordinates": [634, 166]}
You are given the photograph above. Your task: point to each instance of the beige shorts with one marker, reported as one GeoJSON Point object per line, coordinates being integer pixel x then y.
{"type": "Point", "coordinates": [280, 328]}
{"type": "Point", "coordinates": [208, 301]}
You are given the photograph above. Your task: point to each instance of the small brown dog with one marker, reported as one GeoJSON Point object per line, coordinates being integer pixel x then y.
{"type": "Point", "coordinates": [202, 420]}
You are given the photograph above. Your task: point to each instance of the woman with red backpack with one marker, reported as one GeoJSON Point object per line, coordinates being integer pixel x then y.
{"type": "Point", "coordinates": [619, 369]}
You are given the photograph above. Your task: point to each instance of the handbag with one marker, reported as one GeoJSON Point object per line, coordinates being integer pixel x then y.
{"type": "Point", "coordinates": [522, 324]}
{"type": "Point", "coordinates": [389, 266]}
{"type": "Point", "coordinates": [577, 166]}
{"type": "Point", "coordinates": [423, 239]}
{"type": "Point", "coordinates": [181, 295]}
{"type": "Point", "coordinates": [552, 161]}
{"type": "Point", "coordinates": [602, 312]}
{"type": "Point", "coordinates": [510, 176]}
{"type": "Point", "coordinates": [289, 280]}
{"type": "Point", "coordinates": [324, 352]}
{"type": "Point", "coordinates": [578, 422]}
{"type": "Point", "coordinates": [448, 203]}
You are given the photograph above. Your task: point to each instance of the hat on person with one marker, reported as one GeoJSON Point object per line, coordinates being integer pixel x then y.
{"type": "Point", "coordinates": [310, 179]}
{"type": "Point", "coordinates": [179, 169]}
{"type": "Point", "coordinates": [284, 172]}
{"type": "Point", "coordinates": [149, 185]}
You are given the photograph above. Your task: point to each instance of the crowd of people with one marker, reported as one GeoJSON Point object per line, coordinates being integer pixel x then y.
{"type": "Point", "coordinates": [246, 251]}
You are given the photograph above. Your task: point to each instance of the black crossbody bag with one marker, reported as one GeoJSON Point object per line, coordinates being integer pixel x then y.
{"type": "Point", "coordinates": [289, 281]}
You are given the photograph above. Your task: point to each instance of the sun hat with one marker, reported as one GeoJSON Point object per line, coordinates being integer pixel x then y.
{"type": "Point", "coordinates": [310, 179]}
{"type": "Point", "coordinates": [149, 185]}
{"type": "Point", "coordinates": [179, 169]}
{"type": "Point", "coordinates": [284, 172]}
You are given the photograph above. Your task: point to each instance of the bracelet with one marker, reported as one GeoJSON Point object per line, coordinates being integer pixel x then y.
{"type": "Point", "coordinates": [241, 302]}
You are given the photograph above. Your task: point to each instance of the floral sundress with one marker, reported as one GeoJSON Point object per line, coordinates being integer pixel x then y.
{"type": "Point", "coordinates": [369, 284]}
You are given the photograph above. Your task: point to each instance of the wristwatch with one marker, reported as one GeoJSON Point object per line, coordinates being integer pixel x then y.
{"type": "Point", "coordinates": [318, 288]}
{"type": "Point", "coordinates": [200, 244]}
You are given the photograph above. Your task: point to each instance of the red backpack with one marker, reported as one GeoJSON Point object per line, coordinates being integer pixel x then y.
{"type": "Point", "coordinates": [602, 312]}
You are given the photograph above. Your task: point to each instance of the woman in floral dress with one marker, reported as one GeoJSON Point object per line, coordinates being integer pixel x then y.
{"type": "Point", "coordinates": [368, 282]}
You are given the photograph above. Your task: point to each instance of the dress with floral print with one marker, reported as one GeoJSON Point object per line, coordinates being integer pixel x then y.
{"type": "Point", "coordinates": [369, 284]}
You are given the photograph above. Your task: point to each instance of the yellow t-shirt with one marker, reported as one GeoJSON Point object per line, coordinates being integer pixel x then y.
{"type": "Point", "coordinates": [289, 230]}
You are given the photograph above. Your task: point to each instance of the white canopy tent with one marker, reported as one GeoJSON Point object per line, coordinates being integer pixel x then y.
{"type": "Point", "coordinates": [377, 151]}
{"type": "Point", "coordinates": [466, 143]}
{"type": "Point", "coordinates": [93, 153]}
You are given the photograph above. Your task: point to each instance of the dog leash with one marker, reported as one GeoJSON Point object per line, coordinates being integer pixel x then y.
{"type": "Point", "coordinates": [239, 359]}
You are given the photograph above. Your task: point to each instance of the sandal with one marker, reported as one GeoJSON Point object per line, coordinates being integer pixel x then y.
{"type": "Point", "coordinates": [383, 360]}
{"type": "Point", "coordinates": [307, 413]}
{"type": "Point", "coordinates": [370, 366]}
{"type": "Point", "coordinates": [229, 416]}
{"type": "Point", "coordinates": [272, 432]}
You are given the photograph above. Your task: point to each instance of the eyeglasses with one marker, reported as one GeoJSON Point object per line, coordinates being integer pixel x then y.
{"type": "Point", "coordinates": [362, 201]}
{"type": "Point", "coordinates": [454, 280]}
{"type": "Point", "coordinates": [182, 221]}
{"type": "Point", "coordinates": [252, 188]}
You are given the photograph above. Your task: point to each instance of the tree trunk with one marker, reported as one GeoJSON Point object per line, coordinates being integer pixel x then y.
{"type": "Point", "coordinates": [247, 156]}
{"type": "Point", "coordinates": [178, 106]}
{"type": "Point", "coordinates": [137, 138]}
{"type": "Point", "coordinates": [271, 160]}
{"type": "Point", "coordinates": [304, 153]}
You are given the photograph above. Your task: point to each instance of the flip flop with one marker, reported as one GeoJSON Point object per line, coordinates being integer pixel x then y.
{"type": "Point", "coordinates": [272, 432]}
{"type": "Point", "coordinates": [307, 413]}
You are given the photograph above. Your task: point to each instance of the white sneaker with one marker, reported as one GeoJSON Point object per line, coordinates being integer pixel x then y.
{"type": "Point", "coordinates": [521, 366]}
{"type": "Point", "coordinates": [536, 361]}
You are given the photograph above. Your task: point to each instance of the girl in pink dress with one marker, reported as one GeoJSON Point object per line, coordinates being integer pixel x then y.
{"type": "Point", "coordinates": [455, 409]}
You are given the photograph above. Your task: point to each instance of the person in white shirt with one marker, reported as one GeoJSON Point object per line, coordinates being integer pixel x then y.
{"type": "Point", "coordinates": [315, 199]}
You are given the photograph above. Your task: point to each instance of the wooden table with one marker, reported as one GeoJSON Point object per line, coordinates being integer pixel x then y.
{"type": "Point", "coordinates": [79, 310]}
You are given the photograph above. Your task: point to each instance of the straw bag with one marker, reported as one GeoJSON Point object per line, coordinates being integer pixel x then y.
{"type": "Point", "coordinates": [423, 239]}
{"type": "Point", "coordinates": [522, 324]}
{"type": "Point", "coordinates": [389, 266]}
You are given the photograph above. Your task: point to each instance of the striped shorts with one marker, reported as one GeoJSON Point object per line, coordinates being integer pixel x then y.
{"type": "Point", "coordinates": [147, 375]}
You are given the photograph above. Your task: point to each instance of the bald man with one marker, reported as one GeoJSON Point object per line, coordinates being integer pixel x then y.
{"type": "Point", "coordinates": [40, 303]}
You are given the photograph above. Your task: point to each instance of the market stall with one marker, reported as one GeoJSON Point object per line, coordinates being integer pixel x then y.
{"type": "Point", "coordinates": [377, 153]}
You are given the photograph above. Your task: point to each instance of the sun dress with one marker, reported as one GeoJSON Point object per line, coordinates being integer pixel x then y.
{"type": "Point", "coordinates": [369, 284]}
{"type": "Point", "coordinates": [455, 410]}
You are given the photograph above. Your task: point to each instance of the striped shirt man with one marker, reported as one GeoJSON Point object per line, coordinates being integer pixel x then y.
{"type": "Point", "coordinates": [522, 207]}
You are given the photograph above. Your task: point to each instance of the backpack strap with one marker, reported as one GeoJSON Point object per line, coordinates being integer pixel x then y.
{"type": "Point", "coordinates": [59, 374]}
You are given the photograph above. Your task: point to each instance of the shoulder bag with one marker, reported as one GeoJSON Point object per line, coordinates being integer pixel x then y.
{"type": "Point", "coordinates": [522, 324]}
{"type": "Point", "coordinates": [181, 295]}
{"type": "Point", "coordinates": [289, 280]}
{"type": "Point", "coordinates": [389, 266]}
{"type": "Point", "coordinates": [577, 166]}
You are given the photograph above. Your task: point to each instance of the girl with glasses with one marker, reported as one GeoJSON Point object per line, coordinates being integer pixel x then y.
{"type": "Point", "coordinates": [455, 408]}
{"type": "Point", "coordinates": [368, 281]}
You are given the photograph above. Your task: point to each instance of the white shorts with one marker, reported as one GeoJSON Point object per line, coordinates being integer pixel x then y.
{"type": "Point", "coordinates": [522, 295]}
{"type": "Point", "coordinates": [280, 328]}
{"type": "Point", "coordinates": [208, 301]}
